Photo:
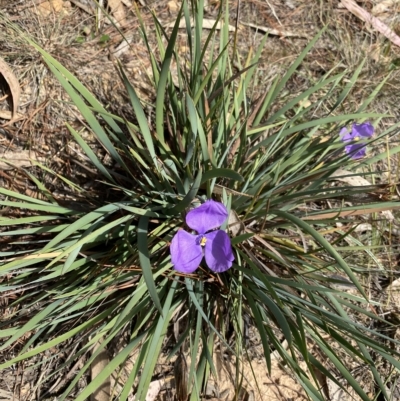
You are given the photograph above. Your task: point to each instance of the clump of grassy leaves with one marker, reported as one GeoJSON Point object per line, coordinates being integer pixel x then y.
{"type": "Point", "coordinates": [95, 274]}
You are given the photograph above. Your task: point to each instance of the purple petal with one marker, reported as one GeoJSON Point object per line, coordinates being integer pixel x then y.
{"type": "Point", "coordinates": [364, 130]}
{"type": "Point", "coordinates": [218, 251]}
{"type": "Point", "coordinates": [207, 216]}
{"type": "Point", "coordinates": [345, 135]}
{"type": "Point", "coordinates": [186, 253]}
{"type": "Point", "coordinates": [356, 151]}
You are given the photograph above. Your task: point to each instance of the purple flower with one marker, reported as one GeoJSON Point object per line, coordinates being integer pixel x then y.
{"type": "Point", "coordinates": [359, 132]}
{"type": "Point", "coordinates": [187, 249]}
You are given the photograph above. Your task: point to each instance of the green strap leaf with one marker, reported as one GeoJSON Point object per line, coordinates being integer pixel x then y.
{"type": "Point", "coordinates": [141, 118]}
{"type": "Point", "coordinates": [156, 343]}
{"type": "Point", "coordinates": [327, 246]}
{"type": "Point", "coordinates": [162, 84]}
{"type": "Point", "coordinates": [221, 173]}
{"type": "Point", "coordinates": [187, 200]}
{"type": "Point", "coordinates": [106, 372]}
{"type": "Point", "coordinates": [142, 233]}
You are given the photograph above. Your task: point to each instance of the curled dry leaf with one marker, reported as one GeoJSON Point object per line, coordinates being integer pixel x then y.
{"type": "Point", "coordinates": [13, 85]}
{"type": "Point", "coordinates": [375, 22]}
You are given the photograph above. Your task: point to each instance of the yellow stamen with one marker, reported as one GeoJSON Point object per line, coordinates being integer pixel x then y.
{"type": "Point", "coordinates": [203, 241]}
{"type": "Point", "coordinates": [356, 138]}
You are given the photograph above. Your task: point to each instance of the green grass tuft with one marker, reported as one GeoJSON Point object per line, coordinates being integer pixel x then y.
{"type": "Point", "coordinates": [105, 271]}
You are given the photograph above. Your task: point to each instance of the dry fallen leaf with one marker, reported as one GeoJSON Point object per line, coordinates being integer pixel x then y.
{"type": "Point", "coordinates": [336, 393]}
{"type": "Point", "coordinates": [181, 377]}
{"type": "Point", "coordinates": [236, 226]}
{"type": "Point", "coordinates": [17, 159]}
{"type": "Point", "coordinates": [124, 46]}
{"type": "Point", "coordinates": [357, 181]}
{"type": "Point", "coordinates": [153, 390]}
{"type": "Point", "coordinates": [322, 380]}
{"type": "Point", "coordinates": [13, 85]}
{"type": "Point", "coordinates": [173, 7]}
{"type": "Point", "coordinates": [375, 22]}
{"type": "Point", "coordinates": [8, 115]}
{"type": "Point", "coordinates": [48, 7]}
{"type": "Point", "coordinates": [275, 32]}
{"type": "Point", "coordinates": [388, 215]}
{"type": "Point", "coordinates": [385, 6]}
{"type": "Point", "coordinates": [103, 393]}
{"type": "Point", "coordinates": [349, 178]}
{"type": "Point", "coordinates": [7, 395]}
{"type": "Point", "coordinates": [87, 8]}
{"type": "Point", "coordinates": [377, 52]}
{"type": "Point", "coordinates": [394, 292]}
{"type": "Point", "coordinates": [363, 227]}
{"type": "Point", "coordinates": [118, 11]}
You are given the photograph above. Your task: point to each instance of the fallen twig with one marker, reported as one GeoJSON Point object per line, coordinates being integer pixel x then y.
{"type": "Point", "coordinates": [375, 22]}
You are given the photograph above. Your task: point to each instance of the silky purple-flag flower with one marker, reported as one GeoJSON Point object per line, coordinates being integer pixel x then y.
{"type": "Point", "coordinates": [357, 136]}
{"type": "Point", "coordinates": [187, 250]}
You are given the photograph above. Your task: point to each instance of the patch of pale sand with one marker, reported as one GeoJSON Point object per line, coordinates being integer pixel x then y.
{"type": "Point", "coordinates": [251, 378]}
{"type": "Point", "coordinates": [280, 385]}
{"type": "Point", "coordinates": [254, 380]}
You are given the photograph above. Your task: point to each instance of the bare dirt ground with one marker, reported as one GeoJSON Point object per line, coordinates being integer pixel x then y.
{"type": "Point", "coordinates": [78, 35]}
